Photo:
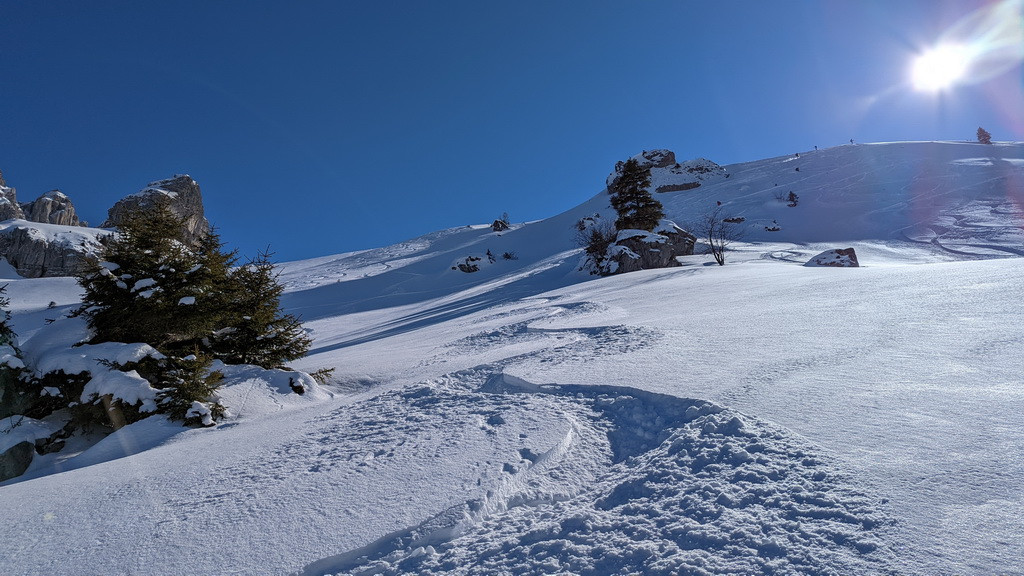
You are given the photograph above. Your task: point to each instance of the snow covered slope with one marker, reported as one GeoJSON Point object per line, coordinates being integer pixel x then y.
{"type": "Point", "coordinates": [762, 417]}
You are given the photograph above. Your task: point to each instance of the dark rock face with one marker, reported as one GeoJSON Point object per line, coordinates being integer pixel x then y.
{"type": "Point", "coordinates": [638, 250]}
{"type": "Point", "coordinates": [838, 258]}
{"type": "Point", "coordinates": [181, 194]}
{"type": "Point", "coordinates": [15, 460]}
{"type": "Point", "coordinates": [54, 207]}
{"type": "Point", "coordinates": [683, 186]}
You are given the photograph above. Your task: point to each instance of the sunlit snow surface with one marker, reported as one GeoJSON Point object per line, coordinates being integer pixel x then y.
{"type": "Point", "coordinates": [762, 417]}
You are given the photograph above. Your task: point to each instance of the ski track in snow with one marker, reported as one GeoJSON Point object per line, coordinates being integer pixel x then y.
{"type": "Point", "coordinates": [552, 344]}
{"type": "Point", "coordinates": [639, 483]}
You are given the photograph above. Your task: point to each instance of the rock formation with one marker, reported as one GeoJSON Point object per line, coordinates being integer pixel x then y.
{"type": "Point", "coordinates": [54, 207]}
{"type": "Point", "coordinates": [36, 251]}
{"type": "Point", "coordinates": [181, 194]}
{"type": "Point", "coordinates": [638, 250]}
{"type": "Point", "coordinates": [667, 175]}
{"type": "Point", "coordinates": [632, 250]}
{"type": "Point", "coordinates": [40, 250]}
{"type": "Point", "coordinates": [9, 207]}
{"type": "Point", "coordinates": [59, 245]}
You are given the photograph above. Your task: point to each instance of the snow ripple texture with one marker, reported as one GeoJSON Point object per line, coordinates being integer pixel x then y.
{"type": "Point", "coordinates": [639, 483]}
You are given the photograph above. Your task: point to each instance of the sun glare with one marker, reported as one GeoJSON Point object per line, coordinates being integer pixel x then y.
{"type": "Point", "coordinates": [940, 67]}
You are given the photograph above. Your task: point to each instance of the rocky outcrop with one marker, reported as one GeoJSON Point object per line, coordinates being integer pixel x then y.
{"type": "Point", "coordinates": [180, 194]}
{"type": "Point", "coordinates": [41, 250]}
{"type": "Point", "coordinates": [54, 207]}
{"type": "Point", "coordinates": [646, 159]}
{"type": "Point", "coordinates": [838, 258]}
{"type": "Point", "coordinates": [634, 250]}
{"type": "Point", "coordinates": [9, 207]}
{"type": "Point", "coordinates": [667, 175]}
{"type": "Point", "coordinates": [37, 249]}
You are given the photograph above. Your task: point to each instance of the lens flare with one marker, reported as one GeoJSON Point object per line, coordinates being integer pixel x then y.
{"type": "Point", "coordinates": [984, 44]}
{"type": "Point", "coordinates": [940, 67]}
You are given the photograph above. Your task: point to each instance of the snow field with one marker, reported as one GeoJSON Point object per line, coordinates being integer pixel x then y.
{"type": "Point", "coordinates": [850, 421]}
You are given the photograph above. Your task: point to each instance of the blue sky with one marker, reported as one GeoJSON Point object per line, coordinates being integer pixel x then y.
{"type": "Point", "coordinates": [322, 127]}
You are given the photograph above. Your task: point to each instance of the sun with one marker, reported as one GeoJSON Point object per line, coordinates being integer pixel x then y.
{"type": "Point", "coordinates": [940, 67]}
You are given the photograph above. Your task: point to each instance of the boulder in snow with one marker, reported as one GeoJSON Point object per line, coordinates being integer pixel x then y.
{"type": "Point", "coordinates": [840, 258]}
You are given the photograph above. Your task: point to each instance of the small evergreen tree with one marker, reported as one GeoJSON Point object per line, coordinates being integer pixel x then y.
{"type": "Point", "coordinates": [636, 208]}
{"type": "Point", "coordinates": [7, 336]}
{"type": "Point", "coordinates": [151, 287]}
{"type": "Point", "coordinates": [257, 332]}
{"type": "Point", "coordinates": [187, 384]}
{"type": "Point", "coordinates": [983, 136]}
{"type": "Point", "coordinates": [190, 304]}
{"type": "Point", "coordinates": [17, 396]}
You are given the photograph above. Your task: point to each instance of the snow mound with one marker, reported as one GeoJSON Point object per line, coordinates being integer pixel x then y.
{"type": "Point", "coordinates": [17, 429]}
{"type": "Point", "coordinates": [250, 391]}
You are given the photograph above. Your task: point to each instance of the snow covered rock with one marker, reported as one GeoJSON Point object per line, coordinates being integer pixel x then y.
{"type": "Point", "coordinates": [54, 207]}
{"type": "Point", "coordinates": [646, 159]}
{"type": "Point", "coordinates": [37, 249]}
{"type": "Point", "coordinates": [840, 258]}
{"type": "Point", "coordinates": [641, 250]}
{"type": "Point", "coordinates": [18, 435]}
{"type": "Point", "coordinates": [667, 175]}
{"type": "Point", "coordinates": [181, 194]}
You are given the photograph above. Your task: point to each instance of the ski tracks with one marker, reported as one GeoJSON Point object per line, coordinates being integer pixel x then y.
{"type": "Point", "coordinates": [634, 482]}
{"type": "Point", "coordinates": [592, 479]}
